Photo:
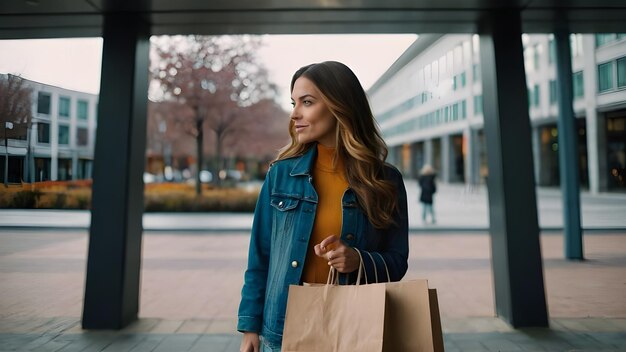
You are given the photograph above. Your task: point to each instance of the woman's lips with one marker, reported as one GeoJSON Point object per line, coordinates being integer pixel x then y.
{"type": "Point", "coordinates": [300, 127]}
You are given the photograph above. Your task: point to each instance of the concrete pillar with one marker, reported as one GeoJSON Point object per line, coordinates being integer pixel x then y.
{"type": "Point", "coordinates": [516, 255]}
{"type": "Point", "coordinates": [472, 163]}
{"type": "Point", "coordinates": [596, 131]}
{"type": "Point", "coordinates": [428, 153]}
{"type": "Point", "coordinates": [601, 150]}
{"type": "Point", "coordinates": [114, 257]}
{"type": "Point", "coordinates": [54, 137]}
{"type": "Point", "coordinates": [447, 159]}
{"type": "Point", "coordinates": [417, 159]}
{"type": "Point", "coordinates": [74, 165]}
{"type": "Point", "coordinates": [536, 145]}
{"type": "Point", "coordinates": [568, 148]}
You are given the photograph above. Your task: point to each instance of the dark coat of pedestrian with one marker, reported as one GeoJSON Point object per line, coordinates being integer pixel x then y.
{"type": "Point", "coordinates": [427, 184]}
{"type": "Point", "coordinates": [428, 187]}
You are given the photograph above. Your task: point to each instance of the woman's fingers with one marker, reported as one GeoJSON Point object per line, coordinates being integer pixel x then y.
{"type": "Point", "coordinates": [327, 241]}
{"type": "Point", "coordinates": [318, 250]}
{"type": "Point", "coordinates": [344, 260]}
{"type": "Point", "coordinates": [341, 257]}
{"type": "Point", "coordinates": [322, 249]}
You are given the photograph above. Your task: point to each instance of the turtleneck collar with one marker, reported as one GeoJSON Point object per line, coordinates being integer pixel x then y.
{"type": "Point", "coordinates": [326, 159]}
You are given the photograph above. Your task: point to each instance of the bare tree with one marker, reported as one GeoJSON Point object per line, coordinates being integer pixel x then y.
{"type": "Point", "coordinates": [15, 113]}
{"type": "Point", "coordinates": [217, 77]}
{"type": "Point", "coordinates": [15, 101]}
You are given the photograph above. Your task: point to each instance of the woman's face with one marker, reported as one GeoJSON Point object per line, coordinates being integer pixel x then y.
{"type": "Point", "coordinates": [312, 120]}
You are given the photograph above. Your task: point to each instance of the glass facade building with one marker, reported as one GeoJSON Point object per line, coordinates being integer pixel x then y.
{"type": "Point", "coordinates": [430, 110]}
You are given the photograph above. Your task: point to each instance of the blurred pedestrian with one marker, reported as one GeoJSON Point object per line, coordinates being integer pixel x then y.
{"type": "Point", "coordinates": [429, 187]}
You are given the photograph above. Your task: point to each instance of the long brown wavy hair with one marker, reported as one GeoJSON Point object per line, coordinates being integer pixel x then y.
{"type": "Point", "coordinates": [359, 142]}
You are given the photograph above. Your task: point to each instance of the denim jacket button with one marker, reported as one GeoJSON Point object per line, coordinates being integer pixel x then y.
{"type": "Point", "coordinates": [294, 264]}
{"type": "Point", "coordinates": [281, 204]}
{"type": "Point", "coordinates": [349, 237]}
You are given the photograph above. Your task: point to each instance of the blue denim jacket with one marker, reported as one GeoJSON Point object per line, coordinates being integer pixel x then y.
{"type": "Point", "coordinates": [282, 226]}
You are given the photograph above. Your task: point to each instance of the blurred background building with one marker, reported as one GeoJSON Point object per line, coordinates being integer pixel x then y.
{"type": "Point", "coordinates": [429, 108]}
{"type": "Point", "coordinates": [56, 142]}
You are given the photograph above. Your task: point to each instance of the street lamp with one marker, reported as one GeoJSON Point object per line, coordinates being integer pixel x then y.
{"type": "Point", "coordinates": [7, 126]}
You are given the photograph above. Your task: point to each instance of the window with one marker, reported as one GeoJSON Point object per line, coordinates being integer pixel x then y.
{"type": "Point", "coordinates": [82, 109]}
{"type": "Point", "coordinates": [536, 95]}
{"type": "Point", "coordinates": [43, 103]}
{"type": "Point", "coordinates": [536, 54]}
{"type": "Point", "coordinates": [604, 38]}
{"type": "Point", "coordinates": [621, 72]}
{"type": "Point", "coordinates": [64, 134]}
{"type": "Point", "coordinates": [64, 107]}
{"type": "Point", "coordinates": [43, 132]}
{"type": "Point", "coordinates": [551, 49]}
{"type": "Point", "coordinates": [82, 137]}
{"type": "Point", "coordinates": [475, 73]}
{"type": "Point", "coordinates": [576, 44]}
{"type": "Point", "coordinates": [478, 104]}
{"type": "Point", "coordinates": [553, 92]}
{"type": "Point", "coordinates": [463, 109]}
{"type": "Point", "coordinates": [605, 77]}
{"type": "Point", "coordinates": [579, 86]}
{"type": "Point", "coordinates": [621, 36]}
{"type": "Point", "coordinates": [463, 79]}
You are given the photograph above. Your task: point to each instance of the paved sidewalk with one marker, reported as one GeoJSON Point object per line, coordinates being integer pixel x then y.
{"type": "Point", "coordinates": [191, 285]}
{"type": "Point", "coordinates": [458, 208]}
{"type": "Point", "coordinates": [489, 335]}
{"type": "Point", "coordinates": [192, 270]}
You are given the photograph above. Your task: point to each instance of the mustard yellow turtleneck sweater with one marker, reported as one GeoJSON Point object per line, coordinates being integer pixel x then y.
{"type": "Point", "coordinates": [330, 184]}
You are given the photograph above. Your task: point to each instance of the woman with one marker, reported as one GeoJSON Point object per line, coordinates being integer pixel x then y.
{"type": "Point", "coordinates": [328, 192]}
{"type": "Point", "coordinates": [426, 181]}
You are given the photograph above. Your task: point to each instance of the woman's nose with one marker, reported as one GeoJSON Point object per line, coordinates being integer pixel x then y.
{"type": "Point", "coordinates": [295, 115]}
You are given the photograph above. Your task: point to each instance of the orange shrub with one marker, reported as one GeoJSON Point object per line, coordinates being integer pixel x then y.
{"type": "Point", "coordinates": [158, 197]}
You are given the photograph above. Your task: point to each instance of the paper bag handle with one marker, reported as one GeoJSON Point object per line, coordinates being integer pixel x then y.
{"type": "Point", "coordinates": [376, 269]}
{"type": "Point", "coordinates": [333, 275]}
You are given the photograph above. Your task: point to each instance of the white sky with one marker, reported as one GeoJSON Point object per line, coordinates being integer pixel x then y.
{"type": "Point", "coordinates": [75, 63]}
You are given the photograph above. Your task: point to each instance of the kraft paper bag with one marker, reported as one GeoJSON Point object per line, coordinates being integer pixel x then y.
{"type": "Point", "coordinates": [335, 318]}
{"type": "Point", "coordinates": [331, 318]}
{"type": "Point", "coordinates": [412, 320]}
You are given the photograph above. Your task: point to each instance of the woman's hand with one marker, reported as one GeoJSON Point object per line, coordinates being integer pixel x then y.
{"type": "Point", "coordinates": [343, 258]}
{"type": "Point", "coordinates": [250, 342]}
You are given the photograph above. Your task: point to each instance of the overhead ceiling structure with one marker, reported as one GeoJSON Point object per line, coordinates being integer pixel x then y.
{"type": "Point", "coordinates": [84, 18]}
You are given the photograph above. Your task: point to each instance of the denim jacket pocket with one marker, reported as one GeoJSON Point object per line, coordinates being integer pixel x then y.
{"type": "Point", "coordinates": [283, 202]}
{"type": "Point", "coordinates": [284, 215]}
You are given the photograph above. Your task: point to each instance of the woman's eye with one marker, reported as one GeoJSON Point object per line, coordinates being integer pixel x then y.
{"type": "Point", "coordinates": [307, 102]}
{"type": "Point", "coordinates": [293, 104]}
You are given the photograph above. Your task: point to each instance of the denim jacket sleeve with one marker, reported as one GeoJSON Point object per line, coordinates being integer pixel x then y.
{"type": "Point", "coordinates": [393, 251]}
{"type": "Point", "coordinates": [250, 315]}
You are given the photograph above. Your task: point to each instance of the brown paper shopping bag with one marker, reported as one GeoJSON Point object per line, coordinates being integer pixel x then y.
{"type": "Point", "coordinates": [412, 318]}
{"type": "Point", "coordinates": [412, 322]}
{"type": "Point", "coordinates": [334, 318]}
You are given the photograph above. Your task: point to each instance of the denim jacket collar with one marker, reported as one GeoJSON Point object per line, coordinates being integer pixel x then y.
{"type": "Point", "coordinates": [305, 163]}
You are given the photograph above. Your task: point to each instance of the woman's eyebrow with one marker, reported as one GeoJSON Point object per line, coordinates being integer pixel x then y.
{"type": "Point", "coordinates": [305, 96]}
